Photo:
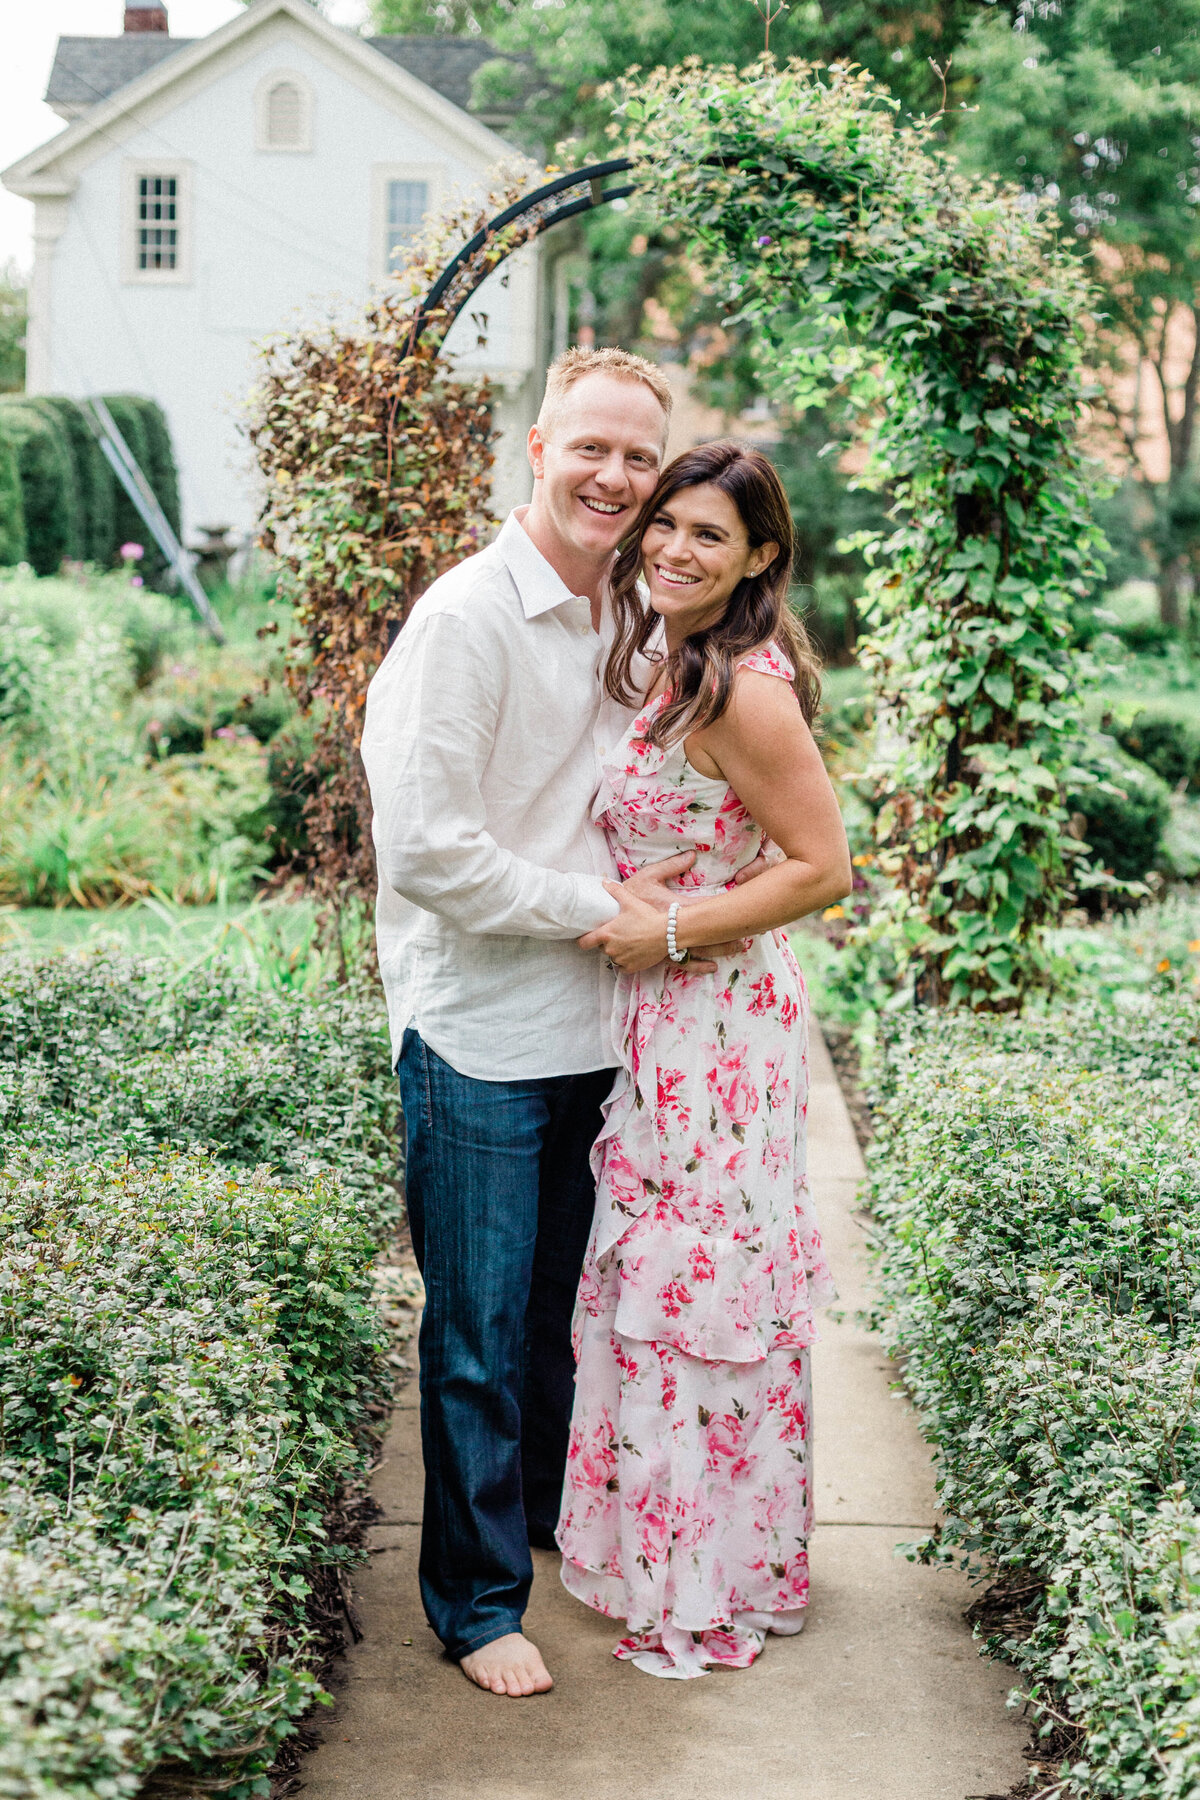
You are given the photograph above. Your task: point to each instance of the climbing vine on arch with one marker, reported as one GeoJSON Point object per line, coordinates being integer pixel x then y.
{"type": "Point", "coordinates": [867, 265]}
{"type": "Point", "coordinates": [945, 309]}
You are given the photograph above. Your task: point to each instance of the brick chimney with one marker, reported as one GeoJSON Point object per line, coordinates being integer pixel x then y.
{"type": "Point", "coordinates": [145, 15]}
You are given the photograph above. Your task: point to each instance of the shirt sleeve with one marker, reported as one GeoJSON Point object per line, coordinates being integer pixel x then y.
{"type": "Point", "coordinates": [430, 726]}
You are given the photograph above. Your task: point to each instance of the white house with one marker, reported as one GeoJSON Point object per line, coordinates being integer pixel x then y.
{"type": "Point", "coordinates": [208, 192]}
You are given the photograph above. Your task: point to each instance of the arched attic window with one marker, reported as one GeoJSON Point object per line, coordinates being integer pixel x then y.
{"type": "Point", "coordinates": [284, 112]}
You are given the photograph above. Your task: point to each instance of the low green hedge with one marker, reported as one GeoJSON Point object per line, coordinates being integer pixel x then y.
{"type": "Point", "coordinates": [102, 1051]}
{"type": "Point", "coordinates": [1036, 1187]}
{"type": "Point", "coordinates": [196, 1175]}
{"type": "Point", "coordinates": [184, 1362]}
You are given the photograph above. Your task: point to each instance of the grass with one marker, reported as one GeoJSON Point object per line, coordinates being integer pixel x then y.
{"type": "Point", "coordinates": [277, 942]}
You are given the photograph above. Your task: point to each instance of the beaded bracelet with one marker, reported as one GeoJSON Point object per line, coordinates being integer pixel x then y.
{"type": "Point", "coordinates": [673, 951]}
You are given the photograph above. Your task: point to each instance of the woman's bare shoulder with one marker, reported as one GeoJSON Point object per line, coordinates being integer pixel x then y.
{"type": "Point", "coordinates": [759, 694]}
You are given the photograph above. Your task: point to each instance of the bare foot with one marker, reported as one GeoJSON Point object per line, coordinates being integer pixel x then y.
{"type": "Point", "coordinates": [508, 1665]}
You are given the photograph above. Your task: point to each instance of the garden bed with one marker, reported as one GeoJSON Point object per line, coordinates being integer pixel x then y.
{"type": "Point", "coordinates": [198, 1174]}
{"type": "Point", "coordinates": [1036, 1192]}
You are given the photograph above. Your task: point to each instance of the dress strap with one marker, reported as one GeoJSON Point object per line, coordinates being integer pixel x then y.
{"type": "Point", "coordinates": [770, 660]}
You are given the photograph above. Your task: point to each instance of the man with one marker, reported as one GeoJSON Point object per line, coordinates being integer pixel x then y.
{"type": "Point", "coordinates": [483, 733]}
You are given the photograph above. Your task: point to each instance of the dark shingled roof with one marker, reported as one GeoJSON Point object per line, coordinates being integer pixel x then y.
{"type": "Point", "coordinates": [90, 69]}
{"type": "Point", "coordinates": [444, 63]}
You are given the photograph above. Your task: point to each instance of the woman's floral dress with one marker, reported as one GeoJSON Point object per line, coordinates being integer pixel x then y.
{"type": "Point", "coordinates": [688, 1497]}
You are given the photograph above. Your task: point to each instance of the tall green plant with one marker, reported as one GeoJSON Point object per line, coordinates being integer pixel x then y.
{"type": "Point", "coordinates": [49, 495]}
{"type": "Point", "coordinates": [96, 539]}
{"type": "Point", "coordinates": [868, 265]}
{"type": "Point", "coordinates": [12, 512]}
{"type": "Point", "coordinates": [141, 423]}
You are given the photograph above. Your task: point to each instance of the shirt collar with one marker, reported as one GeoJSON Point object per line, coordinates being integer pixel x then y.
{"type": "Point", "coordinates": [539, 586]}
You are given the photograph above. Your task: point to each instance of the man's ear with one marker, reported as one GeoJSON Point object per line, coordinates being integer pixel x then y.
{"type": "Point", "coordinates": [536, 450]}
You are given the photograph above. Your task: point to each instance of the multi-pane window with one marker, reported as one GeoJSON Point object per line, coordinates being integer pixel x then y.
{"type": "Point", "coordinates": [407, 204]}
{"type": "Point", "coordinates": [157, 222]}
{"type": "Point", "coordinates": [285, 117]}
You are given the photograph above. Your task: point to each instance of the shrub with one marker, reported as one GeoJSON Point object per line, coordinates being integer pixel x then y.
{"type": "Point", "coordinates": [189, 1357]}
{"type": "Point", "coordinates": [185, 1363]}
{"type": "Point", "coordinates": [159, 467]}
{"type": "Point", "coordinates": [141, 423]}
{"type": "Point", "coordinates": [131, 753]}
{"type": "Point", "coordinates": [72, 504]}
{"type": "Point", "coordinates": [102, 1049]}
{"type": "Point", "coordinates": [12, 512]}
{"type": "Point", "coordinates": [96, 539]}
{"type": "Point", "coordinates": [49, 498]}
{"type": "Point", "coordinates": [1167, 744]}
{"type": "Point", "coordinates": [1125, 813]}
{"type": "Point", "coordinates": [1036, 1186]}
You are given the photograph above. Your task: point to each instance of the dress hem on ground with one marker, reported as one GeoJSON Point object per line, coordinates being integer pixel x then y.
{"type": "Point", "coordinates": [674, 1651]}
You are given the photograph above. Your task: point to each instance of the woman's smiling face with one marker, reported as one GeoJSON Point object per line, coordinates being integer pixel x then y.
{"type": "Point", "coordinates": [695, 551]}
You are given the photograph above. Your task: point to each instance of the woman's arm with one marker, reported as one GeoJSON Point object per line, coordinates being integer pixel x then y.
{"type": "Point", "coordinates": [762, 747]}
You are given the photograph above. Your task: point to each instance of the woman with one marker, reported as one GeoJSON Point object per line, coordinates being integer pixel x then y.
{"type": "Point", "coordinates": [688, 1500]}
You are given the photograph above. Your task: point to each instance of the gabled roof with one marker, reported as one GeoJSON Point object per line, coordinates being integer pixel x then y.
{"type": "Point", "coordinates": [46, 171]}
{"type": "Point", "coordinates": [87, 69]}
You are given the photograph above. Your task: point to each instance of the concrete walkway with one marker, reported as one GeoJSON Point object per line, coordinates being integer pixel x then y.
{"type": "Point", "coordinates": [883, 1697]}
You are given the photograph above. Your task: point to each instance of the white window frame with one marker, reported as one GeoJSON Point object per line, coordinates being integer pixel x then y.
{"type": "Point", "coordinates": [434, 176]}
{"type": "Point", "coordinates": [134, 174]}
{"type": "Point", "coordinates": [262, 95]}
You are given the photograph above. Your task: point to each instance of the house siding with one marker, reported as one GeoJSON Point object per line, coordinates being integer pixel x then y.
{"type": "Point", "coordinates": [275, 240]}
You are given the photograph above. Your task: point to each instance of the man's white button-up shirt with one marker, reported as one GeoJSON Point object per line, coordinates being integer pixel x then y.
{"type": "Point", "coordinates": [481, 745]}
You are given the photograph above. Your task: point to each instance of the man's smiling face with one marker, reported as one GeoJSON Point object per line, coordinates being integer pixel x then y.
{"type": "Point", "coordinates": [597, 460]}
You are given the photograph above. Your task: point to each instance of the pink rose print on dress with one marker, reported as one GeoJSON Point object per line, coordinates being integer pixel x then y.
{"type": "Point", "coordinates": [725, 1440]}
{"type": "Point", "coordinates": [669, 1101]}
{"type": "Point", "coordinates": [779, 1088]}
{"type": "Point", "coordinates": [777, 1155]}
{"type": "Point", "coordinates": [591, 1293]}
{"type": "Point", "coordinates": [736, 1164]}
{"type": "Point", "coordinates": [764, 995]}
{"type": "Point", "coordinates": [693, 1519]}
{"type": "Point", "coordinates": [788, 1408]}
{"type": "Point", "coordinates": [729, 1081]}
{"type": "Point", "coordinates": [674, 1297]}
{"type": "Point", "coordinates": [701, 1264]}
{"type": "Point", "coordinates": [772, 1509]}
{"type": "Point", "coordinates": [653, 1524]}
{"type": "Point", "coordinates": [594, 1459]}
{"type": "Point", "coordinates": [622, 1180]}
{"type": "Point", "coordinates": [663, 806]}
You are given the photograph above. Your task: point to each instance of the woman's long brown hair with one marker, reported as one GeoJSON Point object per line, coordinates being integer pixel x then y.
{"type": "Point", "coordinates": [699, 674]}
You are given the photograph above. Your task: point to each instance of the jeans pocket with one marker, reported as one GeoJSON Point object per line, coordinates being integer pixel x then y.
{"type": "Point", "coordinates": [426, 1084]}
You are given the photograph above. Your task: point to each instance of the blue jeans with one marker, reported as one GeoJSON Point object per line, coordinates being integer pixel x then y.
{"type": "Point", "coordinates": [500, 1202]}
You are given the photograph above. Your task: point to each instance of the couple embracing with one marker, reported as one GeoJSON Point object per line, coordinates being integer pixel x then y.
{"type": "Point", "coordinates": [597, 801]}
